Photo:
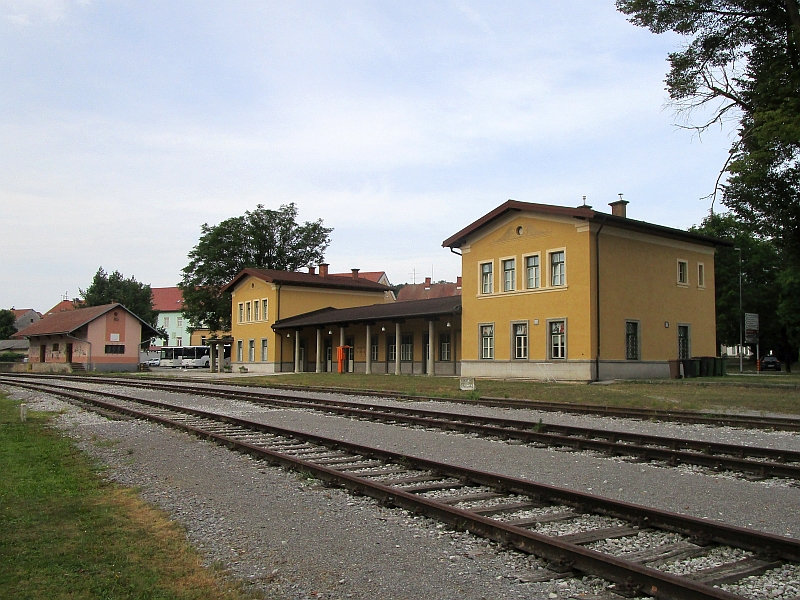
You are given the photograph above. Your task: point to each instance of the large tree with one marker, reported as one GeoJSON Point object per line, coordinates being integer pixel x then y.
{"type": "Point", "coordinates": [7, 324]}
{"type": "Point", "coordinates": [261, 239]}
{"type": "Point", "coordinates": [135, 296]}
{"type": "Point", "coordinates": [741, 60]}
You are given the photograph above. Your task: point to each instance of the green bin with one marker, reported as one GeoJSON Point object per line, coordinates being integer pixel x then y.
{"type": "Point", "coordinates": [706, 366]}
{"type": "Point", "coordinates": [691, 367]}
{"type": "Point", "coordinates": [719, 366]}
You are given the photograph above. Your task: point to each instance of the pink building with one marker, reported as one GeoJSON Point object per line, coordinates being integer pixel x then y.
{"type": "Point", "coordinates": [98, 338]}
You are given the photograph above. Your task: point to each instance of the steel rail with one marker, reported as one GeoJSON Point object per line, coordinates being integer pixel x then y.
{"type": "Point", "coordinates": [642, 447]}
{"type": "Point", "coordinates": [676, 415]}
{"type": "Point", "coordinates": [628, 576]}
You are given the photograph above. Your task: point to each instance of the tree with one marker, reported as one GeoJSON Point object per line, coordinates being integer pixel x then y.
{"type": "Point", "coordinates": [766, 286]}
{"type": "Point", "coordinates": [136, 297]}
{"type": "Point", "coordinates": [7, 324]}
{"type": "Point", "coordinates": [742, 59]}
{"type": "Point", "coordinates": [261, 239]}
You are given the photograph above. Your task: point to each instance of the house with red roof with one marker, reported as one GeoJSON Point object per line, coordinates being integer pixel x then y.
{"type": "Point", "coordinates": [97, 338]}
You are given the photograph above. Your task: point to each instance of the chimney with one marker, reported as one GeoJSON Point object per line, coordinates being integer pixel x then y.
{"type": "Point", "coordinates": [312, 270]}
{"type": "Point", "coordinates": [427, 283]}
{"type": "Point", "coordinates": [323, 269]}
{"type": "Point", "coordinates": [458, 282]}
{"type": "Point", "coordinates": [355, 273]}
{"type": "Point", "coordinates": [584, 205]}
{"type": "Point", "coordinates": [618, 207]}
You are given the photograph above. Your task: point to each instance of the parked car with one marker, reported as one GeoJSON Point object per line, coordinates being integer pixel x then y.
{"type": "Point", "coordinates": [770, 363]}
{"type": "Point", "coordinates": [154, 362]}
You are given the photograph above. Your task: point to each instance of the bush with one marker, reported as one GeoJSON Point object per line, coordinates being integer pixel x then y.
{"type": "Point", "coordinates": [12, 357]}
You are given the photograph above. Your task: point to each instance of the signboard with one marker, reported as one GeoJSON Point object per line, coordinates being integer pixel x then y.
{"type": "Point", "coordinates": [467, 383]}
{"type": "Point", "coordinates": [750, 328]}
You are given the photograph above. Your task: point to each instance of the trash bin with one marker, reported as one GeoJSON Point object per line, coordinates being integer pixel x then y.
{"type": "Point", "coordinates": [691, 367]}
{"type": "Point", "coordinates": [719, 366]}
{"type": "Point", "coordinates": [706, 366]}
{"type": "Point", "coordinates": [674, 369]}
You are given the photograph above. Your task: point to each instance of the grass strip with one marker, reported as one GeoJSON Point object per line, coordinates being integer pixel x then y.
{"type": "Point", "coordinates": [67, 533]}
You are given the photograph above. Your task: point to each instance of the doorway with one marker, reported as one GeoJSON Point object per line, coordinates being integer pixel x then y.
{"type": "Point", "coordinates": [69, 352]}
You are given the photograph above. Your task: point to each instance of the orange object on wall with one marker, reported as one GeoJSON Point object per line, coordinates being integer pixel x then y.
{"type": "Point", "coordinates": [341, 354]}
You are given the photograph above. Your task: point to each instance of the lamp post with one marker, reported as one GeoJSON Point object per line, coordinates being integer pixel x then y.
{"type": "Point", "coordinates": [741, 341]}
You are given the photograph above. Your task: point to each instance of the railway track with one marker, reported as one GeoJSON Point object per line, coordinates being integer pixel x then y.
{"type": "Point", "coordinates": [573, 531]}
{"type": "Point", "coordinates": [753, 462]}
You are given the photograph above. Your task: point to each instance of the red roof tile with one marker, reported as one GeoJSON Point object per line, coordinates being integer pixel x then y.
{"type": "Point", "coordinates": [309, 280]}
{"type": "Point", "coordinates": [66, 322]}
{"type": "Point", "coordinates": [167, 299]}
{"type": "Point", "coordinates": [61, 307]}
{"type": "Point", "coordinates": [424, 291]}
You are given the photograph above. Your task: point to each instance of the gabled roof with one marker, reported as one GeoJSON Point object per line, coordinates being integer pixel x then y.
{"type": "Point", "coordinates": [375, 276]}
{"type": "Point", "coordinates": [308, 280]}
{"type": "Point", "coordinates": [64, 323]}
{"type": "Point", "coordinates": [19, 312]}
{"type": "Point", "coordinates": [425, 291]}
{"type": "Point", "coordinates": [167, 299]}
{"type": "Point", "coordinates": [583, 214]}
{"type": "Point", "coordinates": [436, 307]}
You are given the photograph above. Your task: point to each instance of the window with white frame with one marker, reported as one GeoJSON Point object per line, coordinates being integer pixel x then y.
{"type": "Point", "coordinates": [407, 347]}
{"type": "Point", "coordinates": [683, 272]}
{"type": "Point", "coordinates": [263, 349]}
{"type": "Point", "coordinates": [701, 275]}
{"type": "Point", "coordinates": [239, 350]}
{"type": "Point", "coordinates": [179, 341]}
{"type": "Point", "coordinates": [166, 321]}
{"type": "Point", "coordinates": [558, 272]}
{"type": "Point", "coordinates": [487, 341]}
{"type": "Point", "coordinates": [264, 307]}
{"type": "Point", "coordinates": [179, 322]}
{"type": "Point", "coordinates": [373, 348]}
{"type": "Point", "coordinates": [248, 312]}
{"type": "Point", "coordinates": [557, 332]}
{"type": "Point", "coordinates": [532, 272]}
{"type": "Point", "coordinates": [487, 279]}
{"type": "Point", "coordinates": [632, 340]}
{"type": "Point", "coordinates": [256, 310]}
{"type": "Point", "coordinates": [241, 312]}
{"type": "Point", "coordinates": [520, 340]}
{"type": "Point", "coordinates": [444, 347]}
{"type": "Point", "coordinates": [509, 275]}
{"type": "Point", "coordinates": [251, 351]}
{"type": "Point", "coordinates": [391, 348]}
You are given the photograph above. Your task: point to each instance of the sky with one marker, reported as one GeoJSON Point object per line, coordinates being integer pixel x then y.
{"type": "Point", "coordinates": [124, 126]}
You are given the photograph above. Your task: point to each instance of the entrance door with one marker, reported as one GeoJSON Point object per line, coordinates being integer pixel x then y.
{"type": "Point", "coordinates": [302, 356]}
{"type": "Point", "coordinates": [426, 353]}
{"type": "Point", "coordinates": [42, 352]}
{"type": "Point", "coordinates": [69, 352]}
{"type": "Point", "coordinates": [328, 355]}
{"type": "Point", "coordinates": [348, 358]}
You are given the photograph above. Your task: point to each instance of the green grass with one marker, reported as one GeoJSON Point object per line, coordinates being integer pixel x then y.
{"type": "Point", "coordinates": [68, 534]}
{"type": "Point", "coordinates": [765, 392]}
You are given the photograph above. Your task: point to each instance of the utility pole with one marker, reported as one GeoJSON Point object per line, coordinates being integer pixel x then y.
{"type": "Point", "coordinates": [741, 341]}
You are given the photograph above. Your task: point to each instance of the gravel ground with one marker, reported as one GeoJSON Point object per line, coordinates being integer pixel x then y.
{"type": "Point", "coordinates": [767, 507]}
{"type": "Point", "coordinates": [291, 538]}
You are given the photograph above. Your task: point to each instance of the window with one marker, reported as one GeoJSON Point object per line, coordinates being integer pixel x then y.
{"type": "Point", "coordinates": [532, 272]}
{"type": "Point", "coordinates": [115, 349]}
{"type": "Point", "coordinates": [632, 340]}
{"type": "Point", "coordinates": [557, 269]}
{"type": "Point", "coordinates": [248, 312]}
{"type": "Point", "coordinates": [487, 281]}
{"type": "Point", "coordinates": [166, 321]}
{"type": "Point", "coordinates": [444, 347]}
{"type": "Point", "coordinates": [520, 340]}
{"type": "Point", "coordinates": [202, 340]}
{"type": "Point", "coordinates": [256, 306]}
{"type": "Point", "coordinates": [264, 305]}
{"type": "Point", "coordinates": [701, 275]}
{"type": "Point", "coordinates": [391, 348]}
{"type": "Point", "coordinates": [487, 341]}
{"type": "Point", "coordinates": [683, 342]}
{"type": "Point", "coordinates": [373, 348]}
{"type": "Point", "coordinates": [264, 349]}
{"type": "Point", "coordinates": [407, 347]}
{"type": "Point", "coordinates": [239, 353]}
{"type": "Point", "coordinates": [251, 351]}
{"type": "Point", "coordinates": [683, 272]}
{"type": "Point", "coordinates": [179, 341]}
{"type": "Point", "coordinates": [241, 312]}
{"type": "Point", "coordinates": [558, 339]}
{"type": "Point", "coordinates": [55, 348]}
{"type": "Point", "coordinates": [179, 322]}
{"type": "Point", "coordinates": [509, 275]}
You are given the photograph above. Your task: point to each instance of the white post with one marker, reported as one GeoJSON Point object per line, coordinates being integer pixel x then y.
{"type": "Point", "coordinates": [319, 350]}
{"type": "Point", "coordinates": [212, 355]}
{"type": "Point", "coordinates": [23, 412]}
{"type": "Point", "coordinates": [397, 348]}
{"type": "Point", "coordinates": [297, 351]}
{"type": "Point", "coordinates": [430, 349]}
{"type": "Point", "coordinates": [369, 350]}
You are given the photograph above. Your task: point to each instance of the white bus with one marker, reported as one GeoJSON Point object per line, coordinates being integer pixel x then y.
{"type": "Point", "coordinates": [189, 356]}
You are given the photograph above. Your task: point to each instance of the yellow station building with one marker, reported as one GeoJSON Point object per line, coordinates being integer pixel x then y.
{"type": "Point", "coordinates": [553, 292]}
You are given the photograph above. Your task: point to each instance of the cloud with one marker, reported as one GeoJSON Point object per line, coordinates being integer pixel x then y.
{"type": "Point", "coordinates": [29, 12]}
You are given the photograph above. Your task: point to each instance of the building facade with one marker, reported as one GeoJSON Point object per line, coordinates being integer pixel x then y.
{"type": "Point", "coordinates": [560, 293]}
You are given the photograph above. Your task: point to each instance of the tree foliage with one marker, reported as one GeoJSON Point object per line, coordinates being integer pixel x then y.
{"type": "Point", "coordinates": [7, 324]}
{"type": "Point", "coordinates": [136, 297]}
{"type": "Point", "coordinates": [261, 239]}
{"type": "Point", "coordinates": [742, 60]}
{"type": "Point", "coordinates": [770, 287]}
